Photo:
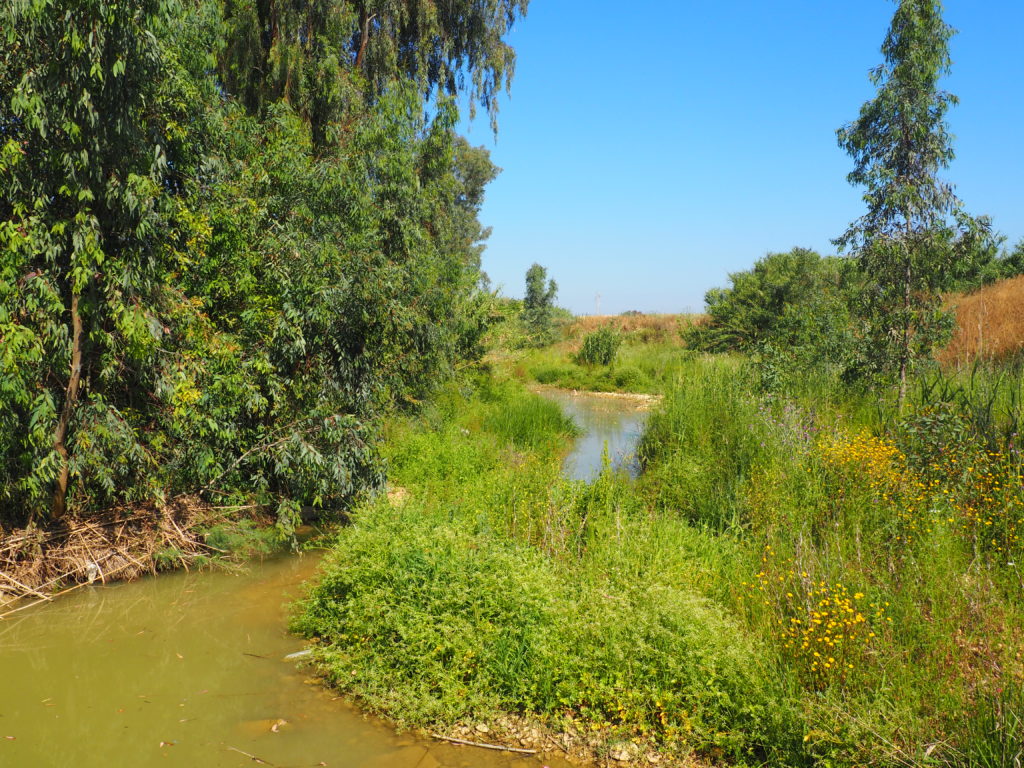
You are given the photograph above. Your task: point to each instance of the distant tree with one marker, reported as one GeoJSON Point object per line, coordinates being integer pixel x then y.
{"type": "Point", "coordinates": [1013, 262]}
{"type": "Point", "coordinates": [976, 258]}
{"type": "Point", "coordinates": [539, 302]}
{"type": "Point", "coordinates": [758, 307]}
{"type": "Point", "coordinates": [899, 143]}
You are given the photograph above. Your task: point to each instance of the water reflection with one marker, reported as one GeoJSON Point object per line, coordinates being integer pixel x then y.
{"type": "Point", "coordinates": [615, 422]}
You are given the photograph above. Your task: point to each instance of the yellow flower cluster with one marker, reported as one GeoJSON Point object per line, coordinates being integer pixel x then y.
{"type": "Point", "coordinates": [988, 499]}
{"type": "Point", "coordinates": [981, 494]}
{"type": "Point", "coordinates": [878, 461]}
{"type": "Point", "coordinates": [825, 629]}
{"type": "Point", "coordinates": [831, 629]}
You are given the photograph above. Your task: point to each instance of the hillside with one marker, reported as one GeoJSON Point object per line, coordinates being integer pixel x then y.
{"type": "Point", "coordinates": [989, 324]}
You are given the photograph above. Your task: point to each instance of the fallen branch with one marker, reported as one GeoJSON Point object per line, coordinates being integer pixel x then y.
{"type": "Point", "coordinates": [25, 587]}
{"type": "Point", "coordinates": [57, 594]}
{"type": "Point", "coordinates": [497, 747]}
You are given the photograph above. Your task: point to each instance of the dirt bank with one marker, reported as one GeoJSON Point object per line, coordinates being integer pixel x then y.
{"type": "Point", "coordinates": [642, 402]}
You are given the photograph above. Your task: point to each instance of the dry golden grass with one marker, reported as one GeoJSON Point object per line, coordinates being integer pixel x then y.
{"type": "Point", "coordinates": [989, 324]}
{"type": "Point", "coordinates": [647, 328]}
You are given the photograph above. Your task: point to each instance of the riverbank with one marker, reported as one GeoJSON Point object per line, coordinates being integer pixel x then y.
{"type": "Point", "coordinates": [39, 564]}
{"type": "Point", "coordinates": [500, 590]}
{"type": "Point", "coordinates": [788, 583]}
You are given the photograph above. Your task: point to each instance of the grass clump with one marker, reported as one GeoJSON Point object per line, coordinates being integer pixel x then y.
{"type": "Point", "coordinates": [599, 347]}
{"type": "Point", "coordinates": [528, 421]}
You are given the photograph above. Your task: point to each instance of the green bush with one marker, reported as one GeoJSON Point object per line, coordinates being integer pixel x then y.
{"type": "Point", "coordinates": [433, 624]}
{"type": "Point", "coordinates": [600, 347]}
{"type": "Point", "coordinates": [631, 379]}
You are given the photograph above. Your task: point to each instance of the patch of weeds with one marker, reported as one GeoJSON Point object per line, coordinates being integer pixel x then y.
{"type": "Point", "coordinates": [243, 537]}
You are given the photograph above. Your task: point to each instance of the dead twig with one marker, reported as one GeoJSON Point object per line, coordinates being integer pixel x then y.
{"type": "Point", "coordinates": [25, 587]}
{"type": "Point", "coordinates": [255, 759]}
{"type": "Point", "coordinates": [497, 747]}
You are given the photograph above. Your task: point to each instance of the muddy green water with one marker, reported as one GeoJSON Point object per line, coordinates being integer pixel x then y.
{"type": "Point", "coordinates": [188, 669]}
{"type": "Point", "coordinates": [182, 670]}
{"type": "Point", "coordinates": [603, 421]}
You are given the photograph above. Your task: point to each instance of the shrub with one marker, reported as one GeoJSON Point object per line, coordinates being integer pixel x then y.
{"type": "Point", "coordinates": [600, 347]}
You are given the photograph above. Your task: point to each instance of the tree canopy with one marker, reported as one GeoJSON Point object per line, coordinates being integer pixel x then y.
{"type": "Point", "coordinates": [307, 52]}
{"type": "Point", "coordinates": [227, 247]}
{"type": "Point", "coordinates": [899, 143]}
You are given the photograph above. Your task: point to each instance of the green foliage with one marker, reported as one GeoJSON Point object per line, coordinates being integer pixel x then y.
{"type": "Point", "coordinates": [528, 421]}
{"type": "Point", "coordinates": [977, 258]}
{"type": "Point", "coordinates": [645, 368]}
{"type": "Point", "coordinates": [792, 311]}
{"type": "Point", "coordinates": [899, 143]}
{"type": "Point", "coordinates": [538, 305]}
{"type": "Point", "coordinates": [242, 537]}
{"type": "Point", "coordinates": [600, 347]}
{"type": "Point", "coordinates": [995, 731]}
{"type": "Point", "coordinates": [675, 608]}
{"type": "Point", "coordinates": [786, 299]}
{"type": "Point", "coordinates": [197, 297]}
{"type": "Point", "coordinates": [445, 624]}
{"type": "Point", "coordinates": [700, 448]}
{"type": "Point", "coordinates": [907, 530]}
{"type": "Point", "coordinates": [503, 589]}
{"type": "Point", "coordinates": [306, 53]}
{"type": "Point", "coordinates": [84, 179]}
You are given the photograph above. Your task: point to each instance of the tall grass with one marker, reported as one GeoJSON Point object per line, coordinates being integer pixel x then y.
{"type": "Point", "coordinates": [989, 325]}
{"type": "Point", "coordinates": [509, 589]}
{"type": "Point", "coordinates": [800, 580]}
{"type": "Point", "coordinates": [527, 421]}
{"type": "Point", "coordinates": [874, 549]}
{"type": "Point", "coordinates": [995, 731]}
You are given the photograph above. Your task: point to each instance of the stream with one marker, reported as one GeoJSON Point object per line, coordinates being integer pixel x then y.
{"type": "Point", "coordinates": [617, 422]}
{"type": "Point", "coordinates": [188, 669]}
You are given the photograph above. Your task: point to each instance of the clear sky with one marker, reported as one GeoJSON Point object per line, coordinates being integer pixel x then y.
{"type": "Point", "coordinates": [650, 148]}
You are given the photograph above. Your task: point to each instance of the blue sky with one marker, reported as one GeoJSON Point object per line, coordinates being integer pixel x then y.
{"type": "Point", "coordinates": [651, 148]}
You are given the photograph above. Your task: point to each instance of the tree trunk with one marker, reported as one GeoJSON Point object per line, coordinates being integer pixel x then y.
{"type": "Point", "coordinates": [60, 494]}
{"type": "Point", "coordinates": [364, 36]}
{"type": "Point", "coordinates": [905, 351]}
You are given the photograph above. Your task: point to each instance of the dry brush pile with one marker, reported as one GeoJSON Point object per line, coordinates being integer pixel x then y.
{"type": "Point", "coordinates": [37, 564]}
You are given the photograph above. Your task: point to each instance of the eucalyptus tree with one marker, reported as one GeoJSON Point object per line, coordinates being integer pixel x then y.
{"type": "Point", "coordinates": [83, 166]}
{"type": "Point", "coordinates": [305, 51]}
{"type": "Point", "coordinates": [900, 142]}
{"type": "Point", "coordinates": [539, 302]}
